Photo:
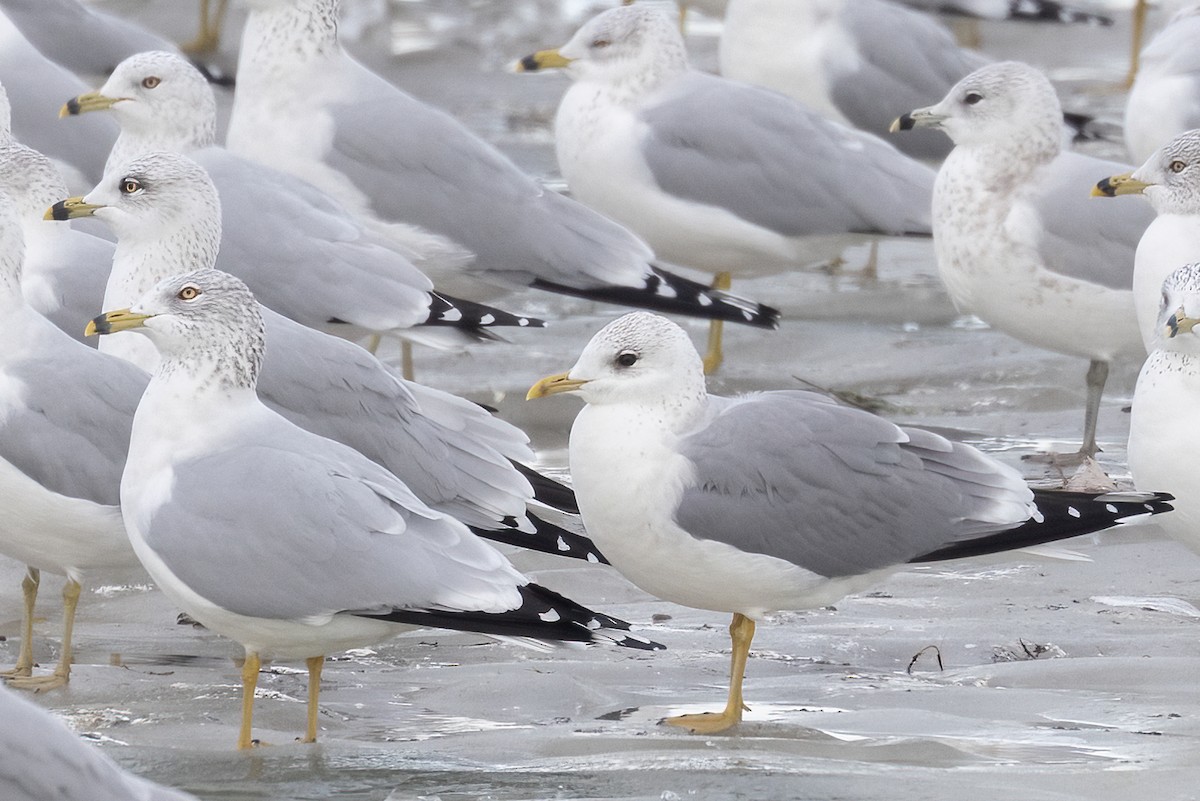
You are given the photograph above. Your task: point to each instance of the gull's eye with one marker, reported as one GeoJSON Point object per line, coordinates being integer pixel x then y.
{"type": "Point", "coordinates": [130, 185]}
{"type": "Point", "coordinates": [1177, 165]}
{"type": "Point", "coordinates": [151, 81]}
{"type": "Point", "coordinates": [189, 292]}
{"type": "Point", "coordinates": [600, 43]}
{"type": "Point", "coordinates": [627, 358]}
{"type": "Point", "coordinates": [972, 98]}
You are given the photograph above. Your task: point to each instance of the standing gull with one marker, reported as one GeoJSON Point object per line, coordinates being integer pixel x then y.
{"type": "Point", "coordinates": [1018, 242]}
{"type": "Point", "coordinates": [306, 107]}
{"type": "Point", "coordinates": [1170, 180]}
{"type": "Point", "coordinates": [718, 175]}
{"type": "Point", "coordinates": [1164, 100]}
{"type": "Point", "coordinates": [65, 417]}
{"type": "Point", "coordinates": [454, 455]}
{"type": "Point", "coordinates": [289, 543]}
{"type": "Point", "coordinates": [777, 500]}
{"type": "Point", "coordinates": [302, 253]}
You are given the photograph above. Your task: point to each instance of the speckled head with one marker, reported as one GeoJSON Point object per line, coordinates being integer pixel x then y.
{"type": "Point", "coordinates": [1179, 310]}
{"type": "Point", "coordinates": [205, 323]}
{"type": "Point", "coordinates": [31, 180]}
{"type": "Point", "coordinates": [629, 43]}
{"type": "Point", "coordinates": [1008, 103]}
{"type": "Point", "coordinates": [1170, 178]}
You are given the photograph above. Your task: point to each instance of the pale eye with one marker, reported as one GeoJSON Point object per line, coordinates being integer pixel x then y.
{"type": "Point", "coordinates": [189, 292]}
{"type": "Point", "coordinates": [627, 359]}
{"type": "Point", "coordinates": [130, 185]}
{"type": "Point", "coordinates": [972, 98]}
{"type": "Point", "coordinates": [151, 81]}
{"type": "Point", "coordinates": [1177, 166]}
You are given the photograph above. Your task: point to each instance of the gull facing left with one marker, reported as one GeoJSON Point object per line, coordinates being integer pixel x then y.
{"type": "Point", "coordinates": [289, 543]}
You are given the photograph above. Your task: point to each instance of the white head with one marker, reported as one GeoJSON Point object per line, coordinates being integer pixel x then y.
{"type": "Point", "coordinates": [1170, 178]}
{"type": "Point", "coordinates": [640, 358]}
{"type": "Point", "coordinates": [1179, 311]}
{"type": "Point", "coordinates": [204, 322]}
{"type": "Point", "coordinates": [625, 45]}
{"type": "Point", "coordinates": [160, 101]}
{"type": "Point", "coordinates": [997, 104]}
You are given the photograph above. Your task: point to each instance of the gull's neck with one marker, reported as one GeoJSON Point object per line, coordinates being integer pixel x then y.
{"type": "Point", "coordinates": [137, 140]}
{"type": "Point", "coordinates": [276, 39]}
{"type": "Point", "coordinates": [10, 279]}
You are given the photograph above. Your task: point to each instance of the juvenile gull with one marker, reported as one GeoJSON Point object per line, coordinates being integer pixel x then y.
{"type": "Point", "coordinates": [1164, 100]}
{"type": "Point", "coordinates": [42, 760]}
{"type": "Point", "coordinates": [1018, 242]}
{"type": "Point", "coordinates": [306, 107]}
{"type": "Point", "coordinates": [777, 500]}
{"type": "Point", "coordinates": [718, 175]}
{"type": "Point", "coordinates": [1170, 180]}
{"type": "Point", "coordinates": [454, 455]}
{"type": "Point", "coordinates": [65, 417]}
{"type": "Point", "coordinates": [302, 253]}
{"type": "Point", "coordinates": [291, 544]}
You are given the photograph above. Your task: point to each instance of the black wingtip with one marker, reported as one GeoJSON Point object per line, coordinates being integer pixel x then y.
{"type": "Point", "coordinates": [546, 538]}
{"type": "Point", "coordinates": [546, 490]}
{"type": "Point", "coordinates": [1061, 515]}
{"type": "Point", "coordinates": [445, 310]}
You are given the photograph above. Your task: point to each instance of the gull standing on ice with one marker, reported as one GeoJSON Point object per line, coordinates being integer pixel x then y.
{"type": "Point", "coordinates": [778, 500]}
{"type": "Point", "coordinates": [65, 417]}
{"type": "Point", "coordinates": [453, 454]}
{"type": "Point", "coordinates": [718, 175]}
{"type": "Point", "coordinates": [306, 107]}
{"type": "Point", "coordinates": [1018, 242]}
{"type": "Point", "coordinates": [291, 544]}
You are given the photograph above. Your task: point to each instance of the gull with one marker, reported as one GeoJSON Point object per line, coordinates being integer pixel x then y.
{"type": "Point", "coordinates": [1164, 100]}
{"type": "Point", "coordinates": [291, 544]}
{"type": "Point", "coordinates": [453, 454]}
{"type": "Point", "coordinates": [1162, 433]}
{"type": "Point", "coordinates": [43, 760]}
{"type": "Point", "coordinates": [777, 500]}
{"type": "Point", "coordinates": [65, 270]}
{"type": "Point", "coordinates": [65, 418]}
{"type": "Point", "coordinates": [1018, 243]}
{"type": "Point", "coordinates": [306, 107]}
{"type": "Point", "coordinates": [1170, 180]}
{"type": "Point", "coordinates": [714, 174]}
{"type": "Point", "coordinates": [302, 253]}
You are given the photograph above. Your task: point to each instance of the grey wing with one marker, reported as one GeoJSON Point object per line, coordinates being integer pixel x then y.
{"type": "Point", "coordinates": [905, 60]}
{"type": "Point", "coordinates": [77, 279]}
{"type": "Point", "coordinates": [438, 445]}
{"type": "Point", "coordinates": [42, 760]}
{"type": "Point", "coordinates": [1080, 236]}
{"type": "Point", "coordinates": [420, 166]}
{"type": "Point", "coordinates": [37, 88]}
{"type": "Point", "coordinates": [71, 432]}
{"type": "Point", "coordinates": [286, 524]}
{"type": "Point", "coordinates": [304, 255]}
{"type": "Point", "coordinates": [768, 160]}
{"type": "Point", "coordinates": [1173, 51]}
{"type": "Point", "coordinates": [836, 490]}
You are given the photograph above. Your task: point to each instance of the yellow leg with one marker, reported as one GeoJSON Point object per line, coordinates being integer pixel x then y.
{"type": "Point", "coordinates": [373, 343]}
{"type": "Point", "coordinates": [315, 664]}
{"type": "Point", "coordinates": [406, 359]}
{"type": "Point", "coordinates": [209, 37]}
{"type": "Point", "coordinates": [713, 356]}
{"type": "Point", "coordinates": [249, 681]}
{"type": "Point", "coordinates": [29, 590]}
{"type": "Point", "coordinates": [741, 632]}
{"type": "Point", "coordinates": [1135, 52]}
{"type": "Point", "coordinates": [62, 673]}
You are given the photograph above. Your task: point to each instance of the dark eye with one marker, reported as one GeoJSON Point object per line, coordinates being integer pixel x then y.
{"type": "Point", "coordinates": [627, 358]}
{"type": "Point", "coordinates": [972, 98]}
{"type": "Point", "coordinates": [600, 43]}
{"type": "Point", "coordinates": [151, 81]}
{"type": "Point", "coordinates": [189, 292]}
{"type": "Point", "coordinates": [1177, 166]}
{"type": "Point", "coordinates": [130, 185]}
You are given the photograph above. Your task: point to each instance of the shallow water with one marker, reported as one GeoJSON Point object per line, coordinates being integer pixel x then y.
{"type": "Point", "coordinates": [848, 702]}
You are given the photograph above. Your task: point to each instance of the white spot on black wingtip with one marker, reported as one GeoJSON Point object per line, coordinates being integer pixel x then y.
{"type": "Point", "coordinates": [562, 545]}
{"type": "Point", "coordinates": [1149, 507]}
{"type": "Point", "coordinates": [523, 322]}
{"type": "Point", "coordinates": [487, 319]}
{"type": "Point", "coordinates": [704, 300]}
{"type": "Point", "coordinates": [1038, 517]}
{"type": "Point", "coordinates": [1073, 512]}
{"type": "Point", "coordinates": [1112, 509]}
{"type": "Point", "coordinates": [452, 315]}
{"type": "Point", "coordinates": [593, 558]}
{"type": "Point", "coordinates": [550, 616]}
{"type": "Point", "coordinates": [593, 624]}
